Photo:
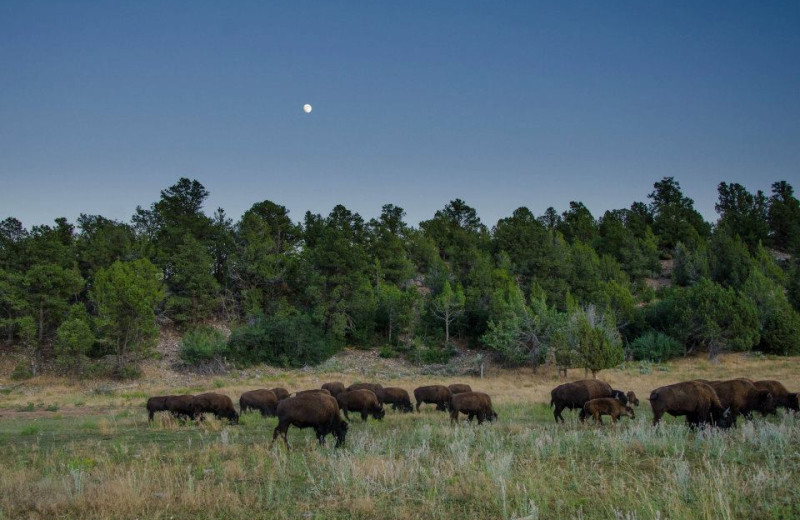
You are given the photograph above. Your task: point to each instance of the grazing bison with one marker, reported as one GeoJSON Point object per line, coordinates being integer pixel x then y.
{"type": "Point", "coordinates": [576, 394]}
{"type": "Point", "coordinates": [398, 398]}
{"type": "Point", "coordinates": [632, 399]}
{"type": "Point", "coordinates": [219, 405]}
{"type": "Point", "coordinates": [363, 401]}
{"type": "Point", "coordinates": [334, 388]}
{"type": "Point", "coordinates": [156, 404]}
{"type": "Point", "coordinates": [601, 406]}
{"type": "Point", "coordinates": [375, 387]}
{"type": "Point", "coordinates": [313, 391]}
{"type": "Point", "coordinates": [693, 399]}
{"type": "Point", "coordinates": [433, 394]}
{"type": "Point", "coordinates": [459, 388]}
{"type": "Point", "coordinates": [181, 406]}
{"type": "Point", "coordinates": [280, 393]}
{"type": "Point", "coordinates": [472, 404]}
{"type": "Point", "coordinates": [318, 411]}
{"type": "Point", "coordinates": [742, 397]}
{"type": "Point", "coordinates": [265, 401]}
{"type": "Point", "coordinates": [780, 395]}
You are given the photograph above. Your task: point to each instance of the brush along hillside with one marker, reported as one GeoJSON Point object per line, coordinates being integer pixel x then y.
{"type": "Point", "coordinates": [86, 450]}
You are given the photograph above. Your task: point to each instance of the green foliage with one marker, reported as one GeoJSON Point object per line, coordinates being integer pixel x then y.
{"type": "Point", "coordinates": [599, 345]}
{"type": "Point", "coordinates": [447, 306]}
{"type": "Point", "coordinates": [655, 346]}
{"type": "Point", "coordinates": [780, 323]}
{"type": "Point", "coordinates": [784, 218]}
{"type": "Point", "coordinates": [192, 288]}
{"type": "Point", "coordinates": [75, 338]}
{"type": "Point", "coordinates": [22, 371]}
{"type": "Point", "coordinates": [203, 344]}
{"type": "Point", "coordinates": [288, 341]}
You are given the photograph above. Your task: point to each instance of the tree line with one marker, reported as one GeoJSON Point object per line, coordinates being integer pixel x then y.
{"type": "Point", "coordinates": [648, 282]}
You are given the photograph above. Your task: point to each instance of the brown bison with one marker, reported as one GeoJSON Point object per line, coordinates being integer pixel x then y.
{"type": "Point", "coordinates": [576, 394]}
{"type": "Point", "coordinates": [472, 404]}
{"type": "Point", "coordinates": [742, 397]}
{"type": "Point", "coordinates": [181, 406]}
{"type": "Point", "coordinates": [156, 404]}
{"type": "Point", "coordinates": [313, 391]}
{"type": "Point", "coordinates": [693, 399]}
{"type": "Point", "coordinates": [780, 395]}
{"type": "Point", "coordinates": [219, 405]}
{"type": "Point", "coordinates": [459, 388]}
{"type": "Point", "coordinates": [375, 387]}
{"type": "Point", "coordinates": [280, 393]}
{"type": "Point", "coordinates": [334, 388]}
{"type": "Point", "coordinates": [433, 394]}
{"type": "Point", "coordinates": [398, 398]}
{"type": "Point", "coordinates": [318, 411]}
{"type": "Point", "coordinates": [265, 401]}
{"type": "Point", "coordinates": [363, 401]}
{"type": "Point", "coordinates": [601, 406]}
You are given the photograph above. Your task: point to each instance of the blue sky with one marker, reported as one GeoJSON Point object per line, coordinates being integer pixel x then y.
{"type": "Point", "coordinates": [502, 104]}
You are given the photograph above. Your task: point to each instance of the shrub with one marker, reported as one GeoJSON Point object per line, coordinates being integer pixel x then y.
{"type": "Point", "coordinates": [655, 346]}
{"type": "Point", "coordinates": [22, 370]}
{"type": "Point", "coordinates": [289, 341]}
{"type": "Point", "coordinates": [203, 344]}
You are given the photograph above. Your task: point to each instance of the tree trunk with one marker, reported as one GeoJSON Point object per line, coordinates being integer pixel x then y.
{"type": "Point", "coordinates": [446, 329]}
{"type": "Point", "coordinates": [41, 322]}
{"type": "Point", "coordinates": [594, 374]}
{"type": "Point", "coordinates": [390, 329]}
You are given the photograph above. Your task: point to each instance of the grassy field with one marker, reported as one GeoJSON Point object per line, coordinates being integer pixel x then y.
{"type": "Point", "coordinates": [86, 451]}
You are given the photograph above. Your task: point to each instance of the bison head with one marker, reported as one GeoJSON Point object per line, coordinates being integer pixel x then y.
{"type": "Point", "coordinates": [629, 412]}
{"type": "Point", "coordinates": [492, 416]}
{"type": "Point", "coordinates": [765, 401]}
{"type": "Point", "coordinates": [406, 407]}
{"type": "Point", "coordinates": [633, 399]}
{"type": "Point", "coordinates": [794, 403]}
{"type": "Point", "coordinates": [379, 413]}
{"type": "Point", "coordinates": [619, 395]}
{"type": "Point", "coordinates": [339, 432]}
{"type": "Point", "coordinates": [724, 419]}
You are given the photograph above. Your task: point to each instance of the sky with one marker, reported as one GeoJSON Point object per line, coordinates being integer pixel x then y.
{"type": "Point", "coordinates": [501, 104]}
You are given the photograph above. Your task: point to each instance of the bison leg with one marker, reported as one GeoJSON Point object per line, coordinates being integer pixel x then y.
{"type": "Point", "coordinates": [557, 412]}
{"type": "Point", "coordinates": [150, 415]}
{"type": "Point", "coordinates": [657, 416]}
{"type": "Point", "coordinates": [598, 419]}
{"type": "Point", "coordinates": [320, 436]}
{"type": "Point", "coordinates": [481, 416]}
{"type": "Point", "coordinates": [364, 415]}
{"type": "Point", "coordinates": [453, 416]}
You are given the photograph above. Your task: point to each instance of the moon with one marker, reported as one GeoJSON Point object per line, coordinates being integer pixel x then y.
{"type": "Point", "coordinates": [307, 108]}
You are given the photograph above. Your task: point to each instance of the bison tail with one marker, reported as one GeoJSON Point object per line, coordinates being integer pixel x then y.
{"type": "Point", "coordinates": [653, 396]}
{"type": "Point", "coordinates": [552, 402]}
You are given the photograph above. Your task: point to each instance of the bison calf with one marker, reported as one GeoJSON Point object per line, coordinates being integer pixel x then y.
{"type": "Point", "coordinates": [398, 398]}
{"type": "Point", "coordinates": [317, 411]}
{"type": "Point", "coordinates": [606, 406]}
{"type": "Point", "coordinates": [472, 404]}
{"type": "Point", "coordinates": [362, 401]}
{"type": "Point", "coordinates": [265, 401]}
{"type": "Point", "coordinates": [576, 394]}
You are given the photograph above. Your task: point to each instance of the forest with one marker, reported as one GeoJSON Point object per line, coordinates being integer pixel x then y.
{"type": "Point", "coordinates": [650, 282]}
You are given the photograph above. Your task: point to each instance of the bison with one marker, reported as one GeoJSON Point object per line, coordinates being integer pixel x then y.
{"type": "Point", "coordinates": [375, 387]}
{"type": "Point", "coordinates": [606, 406]}
{"type": "Point", "coordinates": [363, 401]}
{"type": "Point", "coordinates": [472, 404]}
{"type": "Point", "coordinates": [459, 388]}
{"type": "Point", "coordinates": [433, 394]}
{"type": "Point", "coordinates": [317, 411]}
{"type": "Point", "coordinates": [265, 401]}
{"type": "Point", "coordinates": [742, 397]}
{"type": "Point", "coordinates": [219, 405]}
{"type": "Point", "coordinates": [156, 404]}
{"type": "Point", "coordinates": [780, 395]}
{"type": "Point", "coordinates": [576, 394]}
{"type": "Point", "coordinates": [181, 406]}
{"type": "Point", "coordinates": [693, 399]}
{"type": "Point", "coordinates": [398, 398]}
{"type": "Point", "coordinates": [280, 393]}
{"type": "Point", "coordinates": [334, 388]}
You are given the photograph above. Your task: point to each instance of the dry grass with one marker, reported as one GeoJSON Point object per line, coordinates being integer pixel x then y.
{"type": "Point", "coordinates": [96, 456]}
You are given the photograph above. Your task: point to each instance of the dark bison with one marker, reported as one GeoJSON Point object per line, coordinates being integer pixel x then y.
{"type": "Point", "coordinates": [313, 391]}
{"type": "Point", "coordinates": [318, 411]}
{"type": "Point", "coordinates": [398, 398]}
{"type": "Point", "coordinates": [265, 401]}
{"type": "Point", "coordinates": [606, 406]}
{"type": "Point", "coordinates": [156, 404]}
{"type": "Point", "coordinates": [334, 388]}
{"type": "Point", "coordinates": [472, 404]}
{"type": "Point", "coordinates": [181, 406]}
{"type": "Point", "coordinates": [219, 405]}
{"type": "Point", "coordinates": [576, 394]}
{"type": "Point", "coordinates": [780, 395]}
{"type": "Point", "coordinates": [433, 394]}
{"type": "Point", "coordinates": [363, 401]}
{"type": "Point", "coordinates": [375, 387]}
{"type": "Point", "coordinates": [742, 397]}
{"type": "Point", "coordinates": [693, 399]}
{"type": "Point", "coordinates": [280, 393]}
{"type": "Point", "coordinates": [459, 388]}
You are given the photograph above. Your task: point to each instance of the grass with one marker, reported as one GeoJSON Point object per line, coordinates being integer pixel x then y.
{"type": "Point", "coordinates": [110, 463]}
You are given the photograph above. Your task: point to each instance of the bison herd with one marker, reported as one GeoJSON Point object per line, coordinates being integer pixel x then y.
{"type": "Point", "coordinates": [321, 408]}
{"type": "Point", "coordinates": [702, 402]}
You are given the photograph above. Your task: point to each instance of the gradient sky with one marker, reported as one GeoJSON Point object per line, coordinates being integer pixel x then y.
{"type": "Point", "coordinates": [502, 104]}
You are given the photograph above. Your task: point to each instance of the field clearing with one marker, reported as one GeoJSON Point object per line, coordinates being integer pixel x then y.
{"type": "Point", "coordinates": [87, 451]}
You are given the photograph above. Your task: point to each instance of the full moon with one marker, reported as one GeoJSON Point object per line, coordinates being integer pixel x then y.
{"type": "Point", "coordinates": [307, 108]}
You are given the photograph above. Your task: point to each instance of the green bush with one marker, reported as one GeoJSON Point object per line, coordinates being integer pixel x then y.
{"type": "Point", "coordinates": [203, 344]}
{"type": "Point", "coordinates": [655, 346]}
{"type": "Point", "coordinates": [288, 341]}
{"type": "Point", "coordinates": [22, 370]}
